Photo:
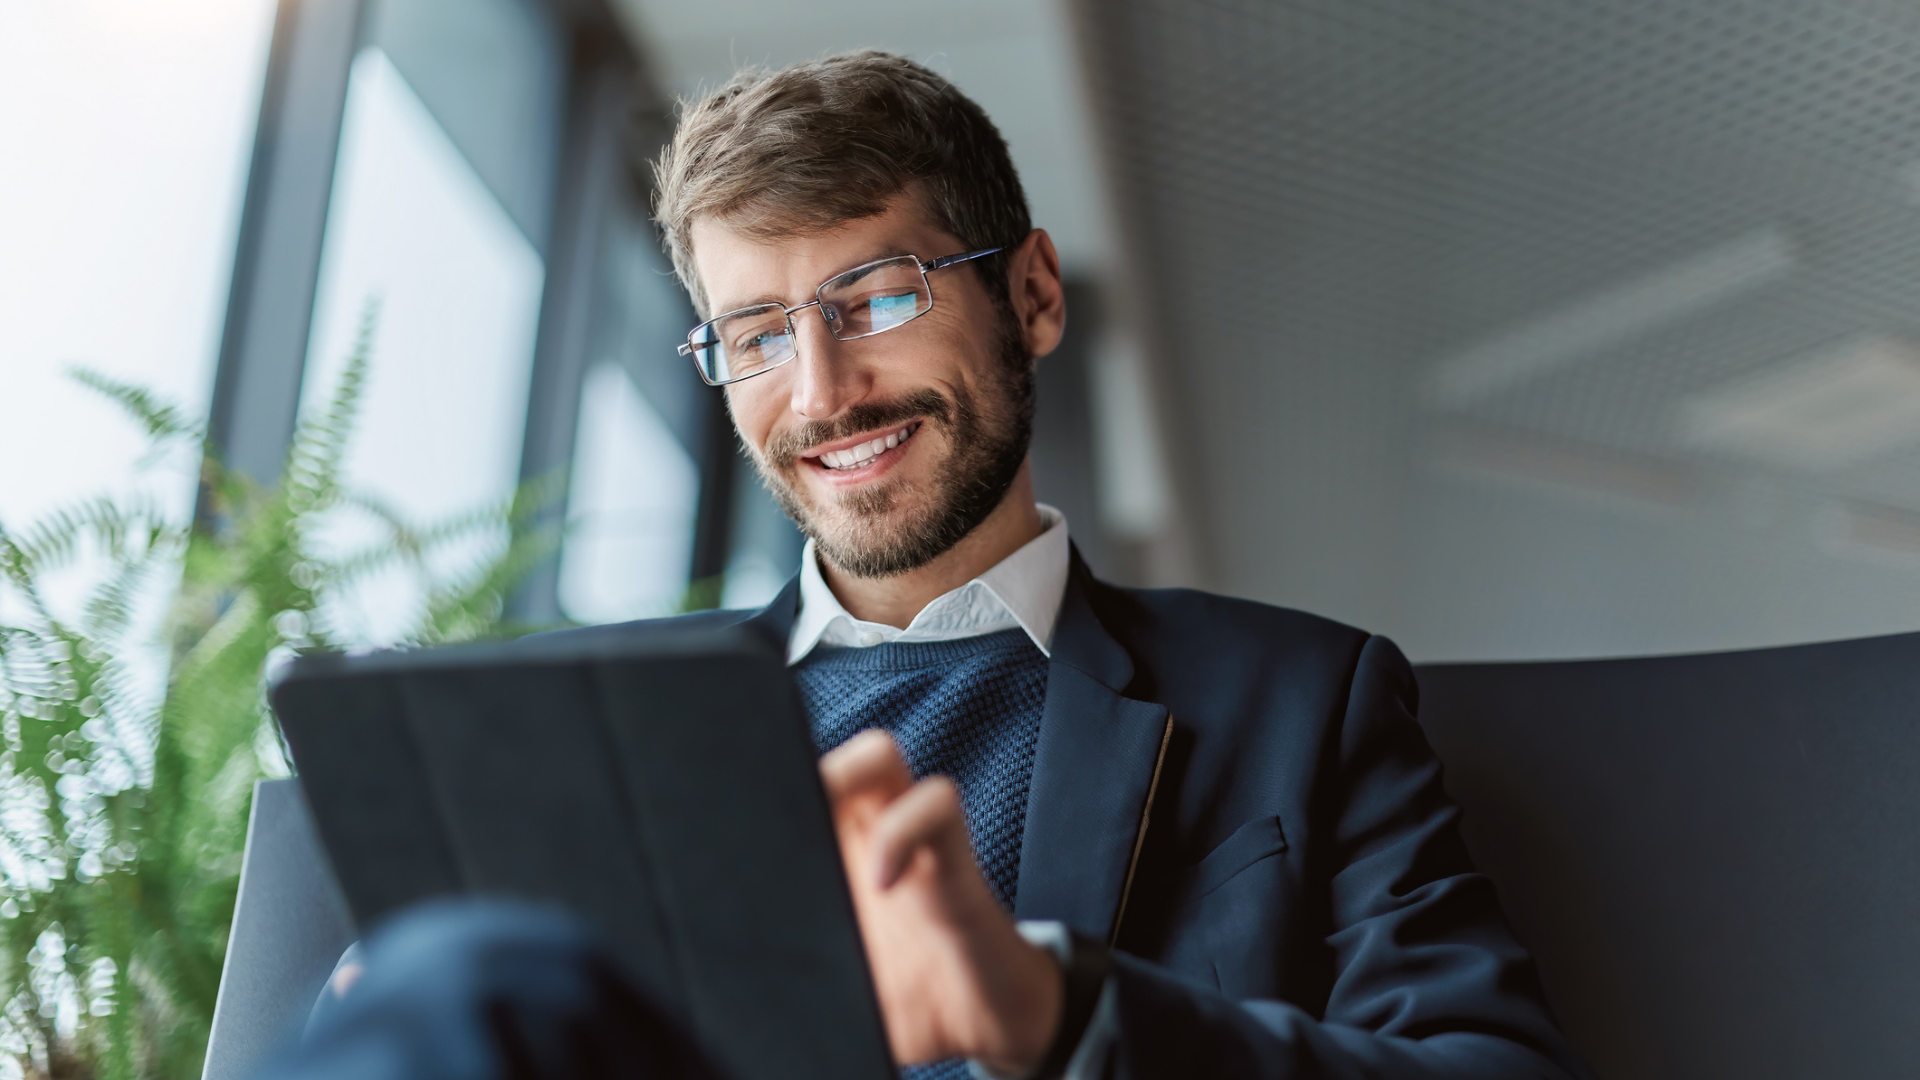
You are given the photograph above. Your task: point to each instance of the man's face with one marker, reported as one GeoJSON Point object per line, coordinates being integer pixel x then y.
{"type": "Point", "coordinates": [886, 450]}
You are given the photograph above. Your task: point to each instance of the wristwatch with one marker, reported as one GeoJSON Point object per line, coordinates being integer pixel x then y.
{"type": "Point", "coordinates": [1087, 967]}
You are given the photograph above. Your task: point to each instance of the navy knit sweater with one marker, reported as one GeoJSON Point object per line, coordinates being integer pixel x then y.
{"type": "Point", "coordinates": [968, 709]}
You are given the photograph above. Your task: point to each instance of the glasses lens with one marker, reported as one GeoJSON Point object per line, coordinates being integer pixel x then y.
{"type": "Point", "coordinates": [875, 297]}
{"type": "Point", "coordinates": [742, 343]}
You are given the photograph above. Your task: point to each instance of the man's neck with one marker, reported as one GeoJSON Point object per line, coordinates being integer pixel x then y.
{"type": "Point", "coordinates": [895, 600]}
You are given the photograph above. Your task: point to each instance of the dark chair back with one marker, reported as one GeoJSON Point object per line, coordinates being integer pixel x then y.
{"type": "Point", "coordinates": [1715, 858]}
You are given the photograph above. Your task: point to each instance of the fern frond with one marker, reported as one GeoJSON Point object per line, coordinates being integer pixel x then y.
{"type": "Point", "coordinates": [163, 421]}
{"type": "Point", "coordinates": [319, 445]}
{"type": "Point", "coordinates": [476, 608]}
{"type": "Point", "coordinates": [110, 608]}
{"type": "Point", "coordinates": [52, 542]}
{"type": "Point", "coordinates": [461, 526]}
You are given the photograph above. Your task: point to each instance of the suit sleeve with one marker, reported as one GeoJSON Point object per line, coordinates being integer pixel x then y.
{"type": "Point", "coordinates": [1427, 981]}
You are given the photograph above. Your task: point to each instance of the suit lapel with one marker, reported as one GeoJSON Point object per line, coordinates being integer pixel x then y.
{"type": "Point", "coordinates": [1094, 770]}
{"type": "Point", "coordinates": [775, 621]}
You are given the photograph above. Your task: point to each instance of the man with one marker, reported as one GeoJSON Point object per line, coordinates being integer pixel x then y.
{"type": "Point", "coordinates": [1234, 798]}
{"type": "Point", "coordinates": [1088, 830]}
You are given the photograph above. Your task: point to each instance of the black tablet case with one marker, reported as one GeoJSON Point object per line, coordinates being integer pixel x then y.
{"type": "Point", "coordinates": [664, 790]}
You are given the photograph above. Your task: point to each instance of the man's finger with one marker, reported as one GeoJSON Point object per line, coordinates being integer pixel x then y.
{"type": "Point", "coordinates": [870, 762]}
{"type": "Point", "coordinates": [929, 815]}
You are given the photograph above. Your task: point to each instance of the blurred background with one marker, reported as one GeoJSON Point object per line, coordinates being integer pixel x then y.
{"type": "Point", "coordinates": [1508, 329]}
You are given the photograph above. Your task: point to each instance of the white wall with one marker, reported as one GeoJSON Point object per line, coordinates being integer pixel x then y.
{"type": "Point", "coordinates": [1499, 570]}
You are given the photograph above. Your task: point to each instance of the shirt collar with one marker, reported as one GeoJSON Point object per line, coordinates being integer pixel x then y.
{"type": "Point", "coordinates": [1024, 590]}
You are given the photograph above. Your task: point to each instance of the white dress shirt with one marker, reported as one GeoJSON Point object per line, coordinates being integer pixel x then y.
{"type": "Point", "coordinates": [1024, 590]}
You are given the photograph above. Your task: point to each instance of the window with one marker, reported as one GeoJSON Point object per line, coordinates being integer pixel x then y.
{"type": "Point", "coordinates": [127, 134]}
{"type": "Point", "coordinates": [630, 516]}
{"type": "Point", "coordinates": [416, 238]}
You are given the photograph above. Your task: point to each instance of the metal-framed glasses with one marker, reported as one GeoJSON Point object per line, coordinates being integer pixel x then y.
{"type": "Point", "coordinates": [869, 299]}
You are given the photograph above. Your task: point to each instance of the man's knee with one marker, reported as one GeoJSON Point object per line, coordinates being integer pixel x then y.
{"type": "Point", "coordinates": [490, 988]}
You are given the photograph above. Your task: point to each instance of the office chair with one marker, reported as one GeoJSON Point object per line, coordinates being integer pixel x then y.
{"type": "Point", "coordinates": [290, 925]}
{"type": "Point", "coordinates": [1715, 859]}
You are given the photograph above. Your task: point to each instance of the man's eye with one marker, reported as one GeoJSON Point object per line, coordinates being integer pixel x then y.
{"type": "Point", "coordinates": [885, 312]}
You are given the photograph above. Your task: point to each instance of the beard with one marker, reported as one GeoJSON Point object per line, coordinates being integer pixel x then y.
{"type": "Point", "coordinates": [895, 525]}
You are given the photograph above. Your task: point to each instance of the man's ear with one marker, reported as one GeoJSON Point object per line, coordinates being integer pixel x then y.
{"type": "Point", "coordinates": [1039, 299]}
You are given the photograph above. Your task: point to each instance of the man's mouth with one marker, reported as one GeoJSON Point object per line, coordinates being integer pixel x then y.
{"type": "Point", "coordinates": [864, 454]}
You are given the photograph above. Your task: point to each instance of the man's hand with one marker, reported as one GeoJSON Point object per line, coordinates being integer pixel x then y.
{"type": "Point", "coordinates": [955, 978]}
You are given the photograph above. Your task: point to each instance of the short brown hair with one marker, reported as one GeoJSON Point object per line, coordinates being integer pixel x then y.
{"type": "Point", "coordinates": [808, 147]}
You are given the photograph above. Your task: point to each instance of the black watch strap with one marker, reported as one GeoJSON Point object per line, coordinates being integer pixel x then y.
{"type": "Point", "coordinates": [1087, 966]}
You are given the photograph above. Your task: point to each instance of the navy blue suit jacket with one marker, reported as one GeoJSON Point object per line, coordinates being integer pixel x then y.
{"type": "Point", "coordinates": [1237, 796]}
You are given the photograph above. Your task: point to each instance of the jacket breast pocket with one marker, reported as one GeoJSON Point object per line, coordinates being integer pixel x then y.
{"type": "Point", "coordinates": [1232, 910]}
{"type": "Point", "coordinates": [1251, 843]}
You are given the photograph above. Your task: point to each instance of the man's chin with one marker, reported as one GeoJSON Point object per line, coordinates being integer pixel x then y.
{"type": "Point", "coordinates": [873, 544]}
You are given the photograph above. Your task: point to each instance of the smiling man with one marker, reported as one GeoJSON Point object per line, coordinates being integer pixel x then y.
{"type": "Point", "coordinates": [1089, 830]}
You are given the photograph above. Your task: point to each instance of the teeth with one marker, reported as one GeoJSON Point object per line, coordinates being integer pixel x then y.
{"type": "Point", "coordinates": [866, 451]}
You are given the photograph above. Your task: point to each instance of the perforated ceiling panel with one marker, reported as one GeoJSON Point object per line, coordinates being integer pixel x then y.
{"type": "Point", "coordinates": [1337, 202]}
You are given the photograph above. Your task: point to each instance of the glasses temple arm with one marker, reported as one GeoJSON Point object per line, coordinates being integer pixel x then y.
{"type": "Point", "coordinates": [954, 260]}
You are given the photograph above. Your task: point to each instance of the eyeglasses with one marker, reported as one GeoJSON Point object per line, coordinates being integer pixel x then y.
{"type": "Point", "coordinates": [869, 299]}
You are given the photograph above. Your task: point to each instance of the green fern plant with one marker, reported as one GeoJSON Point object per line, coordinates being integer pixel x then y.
{"type": "Point", "coordinates": [122, 822]}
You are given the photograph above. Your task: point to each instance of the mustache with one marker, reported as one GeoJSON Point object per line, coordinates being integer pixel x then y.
{"type": "Point", "coordinates": [785, 448]}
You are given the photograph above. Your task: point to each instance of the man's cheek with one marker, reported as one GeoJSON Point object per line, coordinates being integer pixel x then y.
{"type": "Point", "coordinates": [751, 420]}
{"type": "Point", "coordinates": [756, 442]}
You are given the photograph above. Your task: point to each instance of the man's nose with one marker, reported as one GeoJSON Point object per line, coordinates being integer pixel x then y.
{"type": "Point", "coordinates": [825, 380]}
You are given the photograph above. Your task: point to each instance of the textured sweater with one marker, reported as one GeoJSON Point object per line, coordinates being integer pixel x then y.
{"type": "Point", "coordinates": [967, 709]}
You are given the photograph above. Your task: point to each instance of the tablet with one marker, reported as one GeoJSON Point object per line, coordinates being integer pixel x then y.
{"type": "Point", "coordinates": [664, 789]}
